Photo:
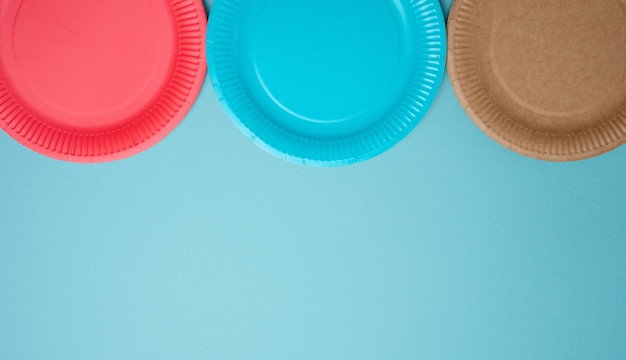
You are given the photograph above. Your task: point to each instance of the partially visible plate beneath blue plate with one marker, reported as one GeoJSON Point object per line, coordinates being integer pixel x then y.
{"type": "Point", "coordinates": [327, 82]}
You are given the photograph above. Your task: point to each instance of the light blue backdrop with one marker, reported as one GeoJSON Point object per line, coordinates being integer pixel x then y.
{"type": "Point", "coordinates": [204, 247]}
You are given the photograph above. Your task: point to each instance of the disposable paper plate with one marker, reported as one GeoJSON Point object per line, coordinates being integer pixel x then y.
{"type": "Point", "coordinates": [327, 82]}
{"type": "Point", "coordinates": [91, 81]}
{"type": "Point", "coordinates": [545, 78]}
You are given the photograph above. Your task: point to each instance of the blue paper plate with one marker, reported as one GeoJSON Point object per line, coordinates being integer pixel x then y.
{"type": "Point", "coordinates": [326, 82]}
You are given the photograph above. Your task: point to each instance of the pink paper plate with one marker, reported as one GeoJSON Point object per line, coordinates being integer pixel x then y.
{"type": "Point", "coordinates": [93, 81]}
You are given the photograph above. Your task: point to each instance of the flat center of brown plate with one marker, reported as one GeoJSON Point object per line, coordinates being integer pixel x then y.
{"type": "Point", "coordinates": [558, 58]}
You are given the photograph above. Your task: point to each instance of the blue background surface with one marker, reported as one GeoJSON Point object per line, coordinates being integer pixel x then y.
{"type": "Point", "coordinates": [448, 246]}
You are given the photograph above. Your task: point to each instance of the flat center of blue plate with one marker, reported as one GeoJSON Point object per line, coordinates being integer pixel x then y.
{"type": "Point", "coordinates": [325, 62]}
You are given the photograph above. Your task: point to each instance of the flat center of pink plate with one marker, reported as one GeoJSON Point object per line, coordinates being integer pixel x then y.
{"type": "Point", "coordinates": [88, 64]}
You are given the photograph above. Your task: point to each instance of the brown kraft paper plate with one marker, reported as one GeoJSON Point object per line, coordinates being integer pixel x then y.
{"type": "Point", "coordinates": [545, 78]}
